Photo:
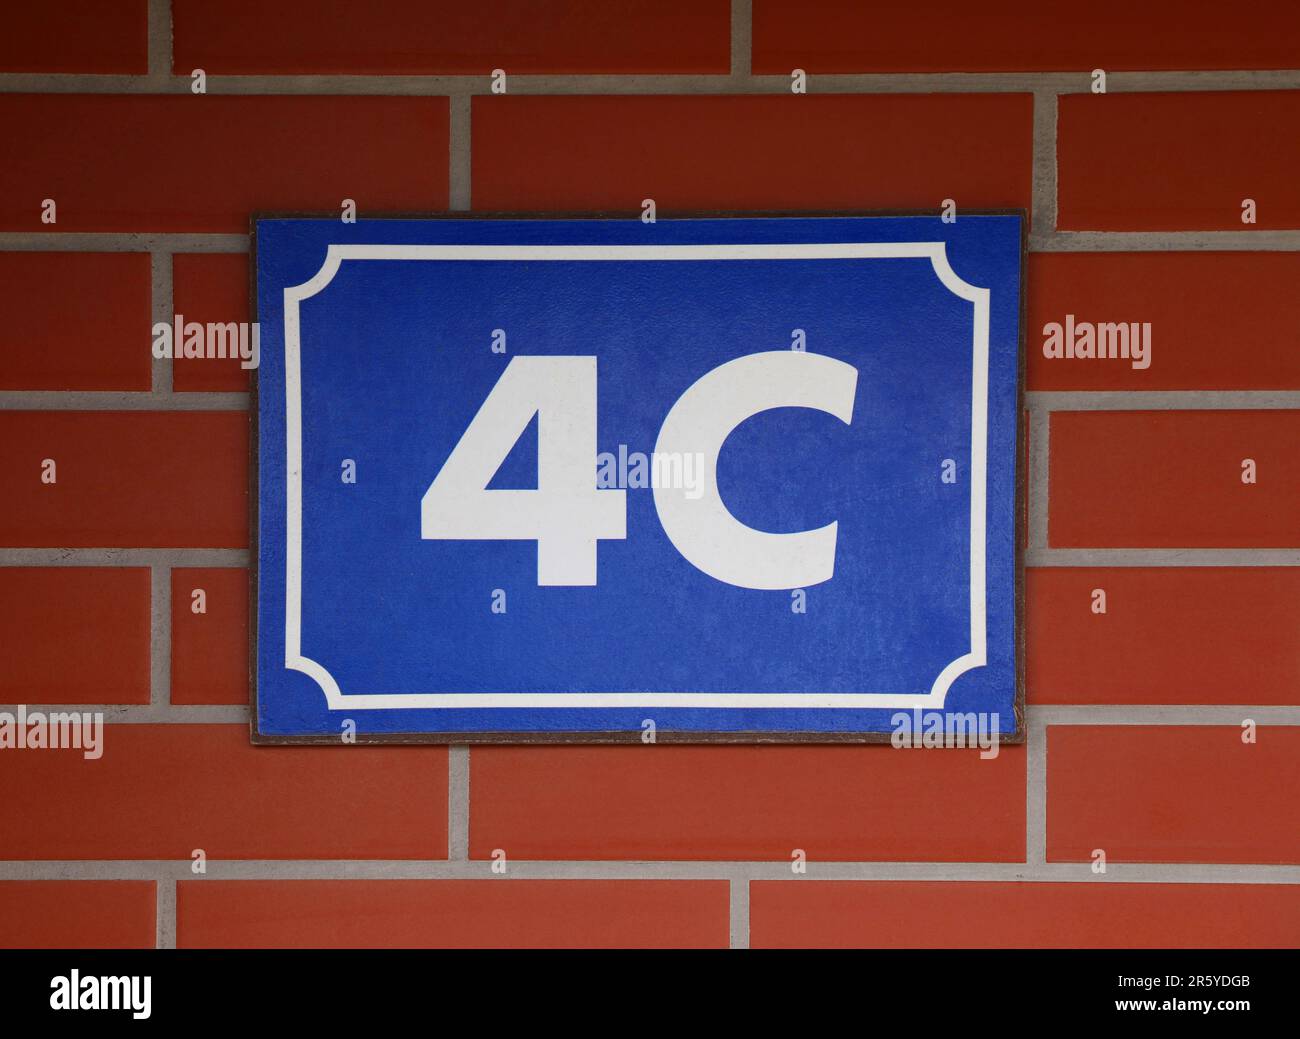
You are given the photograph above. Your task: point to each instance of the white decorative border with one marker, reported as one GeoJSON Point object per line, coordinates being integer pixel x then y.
{"type": "Point", "coordinates": [338, 700]}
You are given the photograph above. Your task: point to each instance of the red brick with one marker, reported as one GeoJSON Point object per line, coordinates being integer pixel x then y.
{"type": "Point", "coordinates": [210, 650]}
{"type": "Point", "coordinates": [1147, 793]}
{"type": "Point", "coordinates": [444, 36]}
{"type": "Point", "coordinates": [746, 152]}
{"type": "Point", "coordinates": [76, 36]}
{"type": "Point", "coordinates": [1172, 479]}
{"type": "Point", "coordinates": [1178, 162]}
{"type": "Point", "coordinates": [1021, 36]}
{"type": "Point", "coordinates": [210, 287]}
{"type": "Point", "coordinates": [125, 479]}
{"type": "Point", "coordinates": [74, 321]}
{"type": "Point", "coordinates": [1201, 635]}
{"type": "Point", "coordinates": [500, 913]}
{"type": "Point", "coordinates": [75, 635]}
{"type": "Point", "coordinates": [1216, 318]}
{"type": "Point", "coordinates": [77, 914]}
{"type": "Point", "coordinates": [984, 915]}
{"type": "Point", "coordinates": [205, 163]}
{"type": "Point", "coordinates": [160, 791]}
{"type": "Point", "coordinates": [836, 803]}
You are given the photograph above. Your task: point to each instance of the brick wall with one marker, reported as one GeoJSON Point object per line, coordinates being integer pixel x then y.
{"type": "Point", "coordinates": [1135, 716]}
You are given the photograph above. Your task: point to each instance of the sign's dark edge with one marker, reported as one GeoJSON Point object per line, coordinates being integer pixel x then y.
{"type": "Point", "coordinates": [630, 736]}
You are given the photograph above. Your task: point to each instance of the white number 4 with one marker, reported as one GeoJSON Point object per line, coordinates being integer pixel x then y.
{"type": "Point", "coordinates": [566, 515]}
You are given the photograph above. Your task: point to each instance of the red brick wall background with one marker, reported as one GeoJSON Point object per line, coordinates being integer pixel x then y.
{"type": "Point", "coordinates": [1135, 716]}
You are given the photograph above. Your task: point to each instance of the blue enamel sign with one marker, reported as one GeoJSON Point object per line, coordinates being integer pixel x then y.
{"type": "Point", "coordinates": [726, 478]}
